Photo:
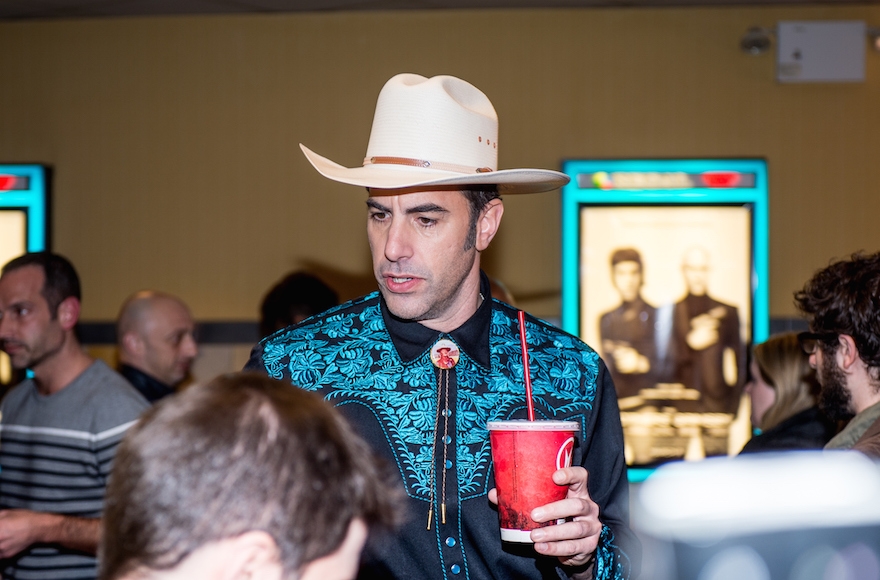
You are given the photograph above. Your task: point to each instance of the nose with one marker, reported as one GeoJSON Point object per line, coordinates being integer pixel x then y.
{"type": "Point", "coordinates": [813, 359]}
{"type": "Point", "coordinates": [189, 347]}
{"type": "Point", "coordinates": [397, 243]}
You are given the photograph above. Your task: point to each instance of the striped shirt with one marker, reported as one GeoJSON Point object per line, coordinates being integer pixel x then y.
{"type": "Point", "coordinates": [56, 452]}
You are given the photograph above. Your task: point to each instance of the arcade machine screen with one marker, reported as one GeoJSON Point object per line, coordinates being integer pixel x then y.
{"type": "Point", "coordinates": [665, 275]}
{"type": "Point", "coordinates": [23, 221]}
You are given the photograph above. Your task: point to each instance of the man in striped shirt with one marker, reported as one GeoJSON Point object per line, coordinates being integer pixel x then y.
{"type": "Point", "coordinates": [58, 430]}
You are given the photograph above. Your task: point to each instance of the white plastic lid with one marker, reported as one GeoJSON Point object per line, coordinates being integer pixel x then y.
{"type": "Point", "coordinates": [526, 425]}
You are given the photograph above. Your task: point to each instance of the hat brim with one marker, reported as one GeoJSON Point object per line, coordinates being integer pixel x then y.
{"type": "Point", "coordinates": [401, 176]}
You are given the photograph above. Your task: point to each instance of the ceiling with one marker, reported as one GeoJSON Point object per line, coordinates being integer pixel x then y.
{"type": "Point", "coordinates": [55, 9]}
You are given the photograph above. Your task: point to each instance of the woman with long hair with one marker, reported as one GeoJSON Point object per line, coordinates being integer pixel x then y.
{"type": "Point", "coordinates": [783, 388]}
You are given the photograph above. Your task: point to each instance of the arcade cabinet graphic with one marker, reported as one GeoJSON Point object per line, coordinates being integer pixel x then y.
{"type": "Point", "coordinates": [665, 274]}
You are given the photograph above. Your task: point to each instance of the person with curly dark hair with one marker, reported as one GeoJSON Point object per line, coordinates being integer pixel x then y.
{"type": "Point", "coordinates": [842, 305]}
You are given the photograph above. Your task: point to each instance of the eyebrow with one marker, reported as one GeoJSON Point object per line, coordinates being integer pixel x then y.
{"type": "Point", "coordinates": [424, 208]}
{"type": "Point", "coordinates": [376, 205]}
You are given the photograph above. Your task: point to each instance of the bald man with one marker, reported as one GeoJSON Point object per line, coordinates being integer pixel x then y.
{"type": "Point", "coordinates": [708, 351]}
{"type": "Point", "coordinates": [156, 344]}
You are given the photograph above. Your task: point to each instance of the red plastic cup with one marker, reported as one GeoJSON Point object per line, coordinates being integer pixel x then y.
{"type": "Point", "coordinates": [526, 453]}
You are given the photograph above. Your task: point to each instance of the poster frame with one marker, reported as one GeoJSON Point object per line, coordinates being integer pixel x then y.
{"type": "Point", "coordinates": [664, 183]}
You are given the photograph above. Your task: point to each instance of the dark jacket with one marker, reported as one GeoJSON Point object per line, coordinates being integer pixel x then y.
{"type": "Point", "coordinates": [809, 429]}
{"type": "Point", "coordinates": [152, 389]}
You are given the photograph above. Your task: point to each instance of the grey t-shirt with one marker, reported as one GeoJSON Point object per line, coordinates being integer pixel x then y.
{"type": "Point", "coordinates": [56, 452]}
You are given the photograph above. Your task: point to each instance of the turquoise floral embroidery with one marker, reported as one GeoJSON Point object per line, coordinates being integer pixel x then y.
{"type": "Point", "coordinates": [348, 355]}
{"type": "Point", "coordinates": [305, 367]}
{"type": "Point", "coordinates": [611, 562]}
{"type": "Point", "coordinates": [419, 375]}
{"type": "Point", "coordinates": [337, 326]}
{"type": "Point", "coordinates": [421, 417]}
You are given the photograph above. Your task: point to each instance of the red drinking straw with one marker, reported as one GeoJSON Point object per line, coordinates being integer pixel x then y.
{"type": "Point", "coordinates": [525, 351]}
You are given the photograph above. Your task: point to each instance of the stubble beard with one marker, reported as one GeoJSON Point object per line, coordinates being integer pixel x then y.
{"type": "Point", "coordinates": [19, 361]}
{"type": "Point", "coordinates": [432, 305]}
{"type": "Point", "coordinates": [28, 358]}
{"type": "Point", "coordinates": [834, 398]}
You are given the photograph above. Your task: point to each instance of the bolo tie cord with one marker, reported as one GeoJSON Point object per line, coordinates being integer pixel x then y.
{"type": "Point", "coordinates": [444, 361]}
{"type": "Point", "coordinates": [442, 409]}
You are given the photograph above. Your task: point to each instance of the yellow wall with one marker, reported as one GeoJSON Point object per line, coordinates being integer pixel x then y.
{"type": "Point", "coordinates": [174, 140]}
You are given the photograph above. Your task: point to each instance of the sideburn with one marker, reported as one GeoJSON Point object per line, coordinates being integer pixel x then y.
{"type": "Point", "coordinates": [834, 399]}
{"type": "Point", "coordinates": [471, 240]}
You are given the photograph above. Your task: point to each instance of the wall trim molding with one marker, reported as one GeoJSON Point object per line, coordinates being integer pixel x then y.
{"type": "Point", "coordinates": [213, 332]}
{"type": "Point", "coordinates": [247, 332]}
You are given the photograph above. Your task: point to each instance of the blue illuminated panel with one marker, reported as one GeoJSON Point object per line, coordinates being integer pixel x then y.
{"type": "Point", "coordinates": [664, 212]}
{"type": "Point", "coordinates": [23, 189]}
{"type": "Point", "coordinates": [662, 184]}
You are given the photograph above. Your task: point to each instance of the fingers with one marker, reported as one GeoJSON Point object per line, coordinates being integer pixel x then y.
{"type": "Point", "coordinates": [575, 477]}
{"type": "Point", "coordinates": [567, 532]}
{"type": "Point", "coordinates": [572, 542]}
{"type": "Point", "coordinates": [567, 509]}
{"type": "Point", "coordinates": [575, 539]}
{"type": "Point", "coordinates": [493, 495]}
{"type": "Point", "coordinates": [577, 502]}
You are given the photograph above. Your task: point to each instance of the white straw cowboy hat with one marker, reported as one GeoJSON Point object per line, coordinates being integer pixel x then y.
{"type": "Point", "coordinates": [434, 131]}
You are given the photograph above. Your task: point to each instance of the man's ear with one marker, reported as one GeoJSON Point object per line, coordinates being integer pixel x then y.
{"type": "Point", "coordinates": [847, 353]}
{"type": "Point", "coordinates": [68, 312]}
{"type": "Point", "coordinates": [254, 555]}
{"type": "Point", "coordinates": [132, 344]}
{"type": "Point", "coordinates": [489, 222]}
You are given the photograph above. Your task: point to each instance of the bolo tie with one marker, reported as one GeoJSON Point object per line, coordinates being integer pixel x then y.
{"type": "Point", "coordinates": [444, 356]}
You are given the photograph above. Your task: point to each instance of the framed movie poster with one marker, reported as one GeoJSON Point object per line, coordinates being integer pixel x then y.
{"type": "Point", "coordinates": [665, 275]}
{"type": "Point", "coordinates": [23, 221]}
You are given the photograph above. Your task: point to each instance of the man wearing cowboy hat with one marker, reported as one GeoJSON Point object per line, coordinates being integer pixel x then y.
{"type": "Point", "coordinates": [433, 207]}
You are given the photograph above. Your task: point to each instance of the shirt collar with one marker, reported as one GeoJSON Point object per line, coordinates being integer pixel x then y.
{"type": "Point", "coordinates": [150, 387]}
{"type": "Point", "coordinates": [854, 430]}
{"type": "Point", "coordinates": [412, 340]}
